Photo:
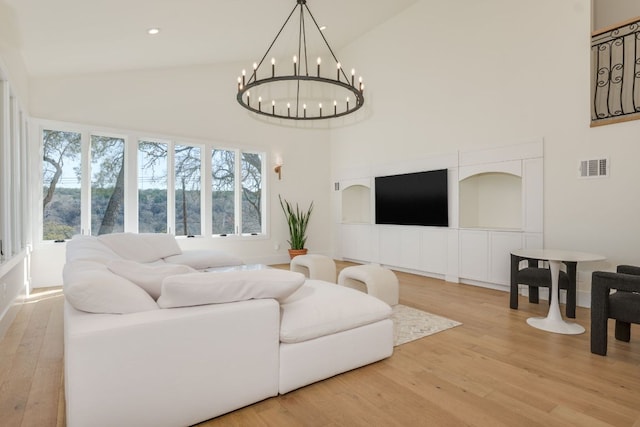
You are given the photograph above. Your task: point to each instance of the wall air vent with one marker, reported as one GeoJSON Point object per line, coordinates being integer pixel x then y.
{"type": "Point", "coordinates": [595, 168]}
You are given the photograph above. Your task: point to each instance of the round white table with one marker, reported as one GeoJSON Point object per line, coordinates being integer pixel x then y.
{"type": "Point", "coordinates": [554, 321]}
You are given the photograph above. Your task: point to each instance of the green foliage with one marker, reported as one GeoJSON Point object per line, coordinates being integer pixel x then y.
{"type": "Point", "coordinates": [297, 221]}
{"type": "Point", "coordinates": [57, 231]}
{"type": "Point", "coordinates": [62, 215]}
{"type": "Point", "coordinates": [62, 207]}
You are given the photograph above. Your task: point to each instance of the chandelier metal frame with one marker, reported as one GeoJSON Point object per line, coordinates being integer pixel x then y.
{"type": "Point", "coordinates": [301, 74]}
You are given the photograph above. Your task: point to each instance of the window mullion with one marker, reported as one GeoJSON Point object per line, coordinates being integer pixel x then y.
{"type": "Point", "coordinates": [85, 183]}
{"type": "Point", "coordinates": [238, 191]}
{"type": "Point", "coordinates": [131, 183]}
{"type": "Point", "coordinates": [171, 188]}
{"type": "Point", "coordinates": [207, 191]}
{"type": "Point", "coordinates": [5, 189]}
{"type": "Point", "coordinates": [15, 176]}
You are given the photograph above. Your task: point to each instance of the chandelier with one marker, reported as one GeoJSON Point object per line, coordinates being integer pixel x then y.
{"type": "Point", "coordinates": [299, 91]}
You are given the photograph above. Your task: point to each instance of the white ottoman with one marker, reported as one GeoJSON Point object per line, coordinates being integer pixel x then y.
{"type": "Point", "coordinates": [316, 267]}
{"type": "Point", "coordinates": [377, 281]}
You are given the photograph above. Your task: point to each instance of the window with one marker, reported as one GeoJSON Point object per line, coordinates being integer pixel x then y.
{"type": "Point", "coordinates": [187, 190]}
{"type": "Point", "coordinates": [86, 189]}
{"type": "Point", "coordinates": [251, 193]}
{"type": "Point", "coordinates": [107, 184]}
{"type": "Point", "coordinates": [231, 196]}
{"type": "Point", "coordinates": [61, 184]}
{"type": "Point", "coordinates": [15, 192]}
{"type": "Point", "coordinates": [223, 172]}
{"type": "Point", "coordinates": [152, 187]}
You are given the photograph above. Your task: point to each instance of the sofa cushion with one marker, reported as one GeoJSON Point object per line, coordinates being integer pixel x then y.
{"type": "Point", "coordinates": [89, 286]}
{"type": "Point", "coordinates": [321, 308]}
{"type": "Point", "coordinates": [221, 287]}
{"type": "Point", "coordinates": [143, 247]}
{"type": "Point", "coordinates": [89, 248]}
{"type": "Point", "coordinates": [148, 276]}
{"type": "Point", "coordinates": [205, 258]}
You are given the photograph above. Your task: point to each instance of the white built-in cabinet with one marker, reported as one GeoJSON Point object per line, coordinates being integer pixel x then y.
{"type": "Point", "coordinates": [495, 206]}
{"type": "Point", "coordinates": [485, 254]}
{"type": "Point", "coordinates": [413, 248]}
{"type": "Point", "coordinates": [356, 242]}
{"type": "Point", "coordinates": [421, 249]}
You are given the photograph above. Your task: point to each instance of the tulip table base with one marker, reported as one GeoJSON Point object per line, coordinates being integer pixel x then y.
{"type": "Point", "coordinates": [554, 321]}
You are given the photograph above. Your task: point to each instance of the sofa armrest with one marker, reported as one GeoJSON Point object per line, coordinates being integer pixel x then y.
{"type": "Point", "coordinates": [169, 367]}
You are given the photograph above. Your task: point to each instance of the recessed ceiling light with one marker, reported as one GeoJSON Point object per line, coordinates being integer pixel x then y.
{"type": "Point", "coordinates": [323, 27]}
{"type": "Point", "coordinates": [153, 31]}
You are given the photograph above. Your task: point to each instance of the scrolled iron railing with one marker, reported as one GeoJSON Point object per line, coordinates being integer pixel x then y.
{"type": "Point", "coordinates": [615, 73]}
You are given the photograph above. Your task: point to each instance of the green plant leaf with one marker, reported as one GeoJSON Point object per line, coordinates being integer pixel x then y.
{"type": "Point", "coordinates": [297, 220]}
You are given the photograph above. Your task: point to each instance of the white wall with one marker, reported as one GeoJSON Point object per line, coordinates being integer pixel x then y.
{"type": "Point", "coordinates": [12, 66]}
{"type": "Point", "coordinates": [447, 76]}
{"type": "Point", "coordinates": [196, 102]}
{"type": "Point", "coordinates": [611, 12]}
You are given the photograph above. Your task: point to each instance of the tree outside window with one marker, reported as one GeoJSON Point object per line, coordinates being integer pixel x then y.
{"type": "Point", "coordinates": [251, 193]}
{"type": "Point", "coordinates": [223, 171]}
{"type": "Point", "coordinates": [236, 187]}
{"type": "Point", "coordinates": [187, 190]}
{"type": "Point", "coordinates": [107, 184]}
{"type": "Point", "coordinates": [61, 184]}
{"type": "Point", "coordinates": [152, 187]}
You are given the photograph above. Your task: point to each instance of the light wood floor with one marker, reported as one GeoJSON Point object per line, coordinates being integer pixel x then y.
{"type": "Point", "coordinates": [494, 370]}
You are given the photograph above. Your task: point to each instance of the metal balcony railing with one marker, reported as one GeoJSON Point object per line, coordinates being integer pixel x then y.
{"type": "Point", "coordinates": [615, 73]}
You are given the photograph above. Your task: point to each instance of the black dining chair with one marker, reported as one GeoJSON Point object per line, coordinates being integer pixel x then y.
{"type": "Point", "coordinates": [535, 277]}
{"type": "Point", "coordinates": [623, 305]}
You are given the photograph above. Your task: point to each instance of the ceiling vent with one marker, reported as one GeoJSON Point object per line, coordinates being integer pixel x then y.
{"type": "Point", "coordinates": [595, 168]}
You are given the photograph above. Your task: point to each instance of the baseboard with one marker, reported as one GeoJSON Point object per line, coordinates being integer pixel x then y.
{"type": "Point", "coordinates": [8, 316]}
{"type": "Point", "coordinates": [488, 285]}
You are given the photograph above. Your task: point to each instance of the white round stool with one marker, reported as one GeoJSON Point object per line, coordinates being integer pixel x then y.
{"type": "Point", "coordinates": [377, 281]}
{"type": "Point", "coordinates": [314, 266]}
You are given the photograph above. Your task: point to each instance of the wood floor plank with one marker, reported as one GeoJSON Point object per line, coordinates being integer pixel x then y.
{"type": "Point", "coordinates": [46, 386]}
{"type": "Point", "coordinates": [14, 391]}
{"type": "Point", "coordinates": [493, 370]}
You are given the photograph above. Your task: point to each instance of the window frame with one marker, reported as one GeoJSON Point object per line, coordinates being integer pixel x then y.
{"type": "Point", "coordinates": [131, 209]}
{"type": "Point", "coordinates": [15, 191]}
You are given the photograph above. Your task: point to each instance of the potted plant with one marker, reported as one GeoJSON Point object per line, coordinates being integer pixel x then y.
{"type": "Point", "coordinates": [297, 221]}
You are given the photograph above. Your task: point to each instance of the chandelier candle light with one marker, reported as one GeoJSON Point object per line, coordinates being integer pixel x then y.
{"type": "Point", "coordinates": [300, 96]}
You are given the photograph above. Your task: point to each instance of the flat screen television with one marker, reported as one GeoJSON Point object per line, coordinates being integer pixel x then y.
{"type": "Point", "coordinates": [413, 199]}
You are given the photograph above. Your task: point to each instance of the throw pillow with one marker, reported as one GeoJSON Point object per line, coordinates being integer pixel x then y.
{"type": "Point", "coordinates": [222, 287]}
{"type": "Point", "coordinates": [89, 248]}
{"type": "Point", "coordinates": [148, 276]}
{"type": "Point", "coordinates": [145, 247]}
{"type": "Point", "coordinates": [89, 286]}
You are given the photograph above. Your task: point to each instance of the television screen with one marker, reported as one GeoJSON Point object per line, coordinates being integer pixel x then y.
{"type": "Point", "coordinates": [412, 199]}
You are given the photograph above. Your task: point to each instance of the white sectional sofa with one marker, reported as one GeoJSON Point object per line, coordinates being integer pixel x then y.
{"type": "Point", "coordinates": [151, 340]}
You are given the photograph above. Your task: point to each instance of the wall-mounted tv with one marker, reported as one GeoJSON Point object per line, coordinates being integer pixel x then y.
{"type": "Point", "coordinates": [413, 199]}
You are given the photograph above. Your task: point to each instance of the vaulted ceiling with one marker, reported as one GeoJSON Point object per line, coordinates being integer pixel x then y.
{"type": "Point", "coordinates": [81, 36]}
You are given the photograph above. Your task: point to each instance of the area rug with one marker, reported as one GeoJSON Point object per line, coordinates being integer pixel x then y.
{"type": "Point", "coordinates": [410, 324]}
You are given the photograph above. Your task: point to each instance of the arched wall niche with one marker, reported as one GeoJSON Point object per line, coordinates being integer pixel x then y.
{"type": "Point", "coordinates": [491, 200]}
{"type": "Point", "coordinates": [356, 204]}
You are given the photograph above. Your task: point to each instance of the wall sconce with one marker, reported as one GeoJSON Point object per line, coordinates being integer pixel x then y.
{"type": "Point", "coordinates": [278, 168]}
